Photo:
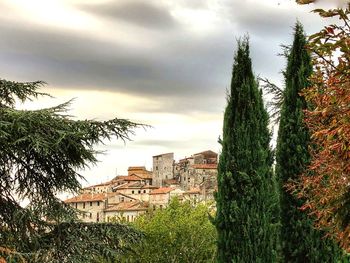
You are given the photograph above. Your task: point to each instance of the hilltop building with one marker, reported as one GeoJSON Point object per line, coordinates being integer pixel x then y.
{"type": "Point", "coordinates": [126, 197]}
{"type": "Point", "coordinates": [163, 168]}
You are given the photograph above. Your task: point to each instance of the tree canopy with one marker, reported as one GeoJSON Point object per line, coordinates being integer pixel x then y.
{"type": "Point", "coordinates": [327, 190]}
{"type": "Point", "coordinates": [40, 153]}
{"type": "Point", "coordinates": [180, 233]}
{"type": "Point", "coordinates": [300, 241]}
{"type": "Point", "coordinates": [247, 202]}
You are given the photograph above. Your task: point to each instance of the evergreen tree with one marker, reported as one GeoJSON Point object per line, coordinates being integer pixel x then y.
{"type": "Point", "coordinates": [300, 241]}
{"type": "Point", "coordinates": [247, 203]}
{"type": "Point", "coordinates": [40, 152]}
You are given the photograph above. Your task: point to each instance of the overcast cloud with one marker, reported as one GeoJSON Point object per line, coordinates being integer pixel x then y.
{"type": "Point", "coordinates": [176, 55]}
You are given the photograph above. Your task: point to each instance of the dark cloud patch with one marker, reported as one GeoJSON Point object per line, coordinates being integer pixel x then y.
{"type": "Point", "coordinates": [178, 67]}
{"type": "Point", "coordinates": [266, 21]}
{"type": "Point", "coordinates": [143, 14]}
{"type": "Point", "coordinates": [186, 71]}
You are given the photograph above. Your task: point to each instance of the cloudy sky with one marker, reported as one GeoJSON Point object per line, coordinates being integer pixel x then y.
{"type": "Point", "coordinates": [166, 63]}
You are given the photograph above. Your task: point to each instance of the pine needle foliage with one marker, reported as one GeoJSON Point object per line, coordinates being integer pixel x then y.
{"type": "Point", "coordinates": [300, 241]}
{"type": "Point", "coordinates": [247, 201]}
{"type": "Point", "coordinates": [40, 153]}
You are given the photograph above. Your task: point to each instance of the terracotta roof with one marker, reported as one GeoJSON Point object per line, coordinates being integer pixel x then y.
{"type": "Point", "coordinates": [205, 166]}
{"type": "Point", "coordinates": [149, 187]}
{"type": "Point", "coordinates": [162, 190]}
{"type": "Point", "coordinates": [137, 168]}
{"type": "Point", "coordinates": [142, 176]}
{"type": "Point", "coordinates": [86, 198]}
{"type": "Point", "coordinates": [132, 177]}
{"type": "Point", "coordinates": [128, 185]}
{"type": "Point", "coordinates": [130, 206]}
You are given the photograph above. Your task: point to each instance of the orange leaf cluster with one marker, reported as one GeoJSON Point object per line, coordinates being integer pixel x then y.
{"type": "Point", "coordinates": [327, 189]}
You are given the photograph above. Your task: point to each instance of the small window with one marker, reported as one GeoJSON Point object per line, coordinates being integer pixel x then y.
{"type": "Point", "coordinates": [156, 168]}
{"type": "Point", "coordinates": [90, 203]}
{"type": "Point", "coordinates": [84, 205]}
{"type": "Point", "coordinates": [144, 191]}
{"type": "Point", "coordinates": [97, 217]}
{"type": "Point", "coordinates": [139, 191]}
{"type": "Point", "coordinates": [122, 199]}
{"type": "Point", "coordinates": [98, 203]}
{"type": "Point", "coordinates": [90, 215]}
{"type": "Point", "coordinates": [76, 205]}
{"type": "Point", "coordinates": [132, 191]}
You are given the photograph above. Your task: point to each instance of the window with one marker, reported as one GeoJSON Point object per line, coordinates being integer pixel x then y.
{"type": "Point", "coordinates": [97, 217]}
{"type": "Point", "coordinates": [132, 191]}
{"type": "Point", "coordinates": [90, 203]}
{"type": "Point", "coordinates": [84, 206]}
{"type": "Point", "coordinates": [90, 215]}
{"type": "Point", "coordinates": [98, 203]}
{"type": "Point", "coordinates": [156, 168]}
{"type": "Point", "coordinates": [144, 191]}
{"type": "Point", "coordinates": [139, 191]}
{"type": "Point", "coordinates": [122, 199]}
{"type": "Point", "coordinates": [76, 205]}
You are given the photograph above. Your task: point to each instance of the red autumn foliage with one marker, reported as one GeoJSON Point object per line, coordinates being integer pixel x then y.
{"type": "Point", "coordinates": [326, 185]}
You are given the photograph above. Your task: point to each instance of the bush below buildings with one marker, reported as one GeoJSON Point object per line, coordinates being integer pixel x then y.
{"type": "Point", "coordinates": [181, 232]}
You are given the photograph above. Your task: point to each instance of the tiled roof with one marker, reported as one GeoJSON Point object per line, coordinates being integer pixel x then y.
{"type": "Point", "coordinates": [205, 166]}
{"type": "Point", "coordinates": [142, 176]}
{"type": "Point", "coordinates": [132, 177]}
{"type": "Point", "coordinates": [86, 198]}
{"type": "Point", "coordinates": [162, 190]}
{"type": "Point", "coordinates": [128, 206]}
{"type": "Point", "coordinates": [128, 185]}
{"type": "Point", "coordinates": [137, 168]}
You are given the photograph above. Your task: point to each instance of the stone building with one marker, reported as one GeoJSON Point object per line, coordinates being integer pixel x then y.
{"type": "Point", "coordinates": [127, 211]}
{"type": "Point", "coordinates": [163, 168]}
{"type": "Point", "coordinates": [90, 205]}
{"type": "Point", "coordinates": [194, 171]}
{"type": "Point", "coordinates": [126, 197]}
{"type": "Point", "coordinates": [159, 198]}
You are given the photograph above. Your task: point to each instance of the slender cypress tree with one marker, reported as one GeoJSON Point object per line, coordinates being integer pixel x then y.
{"type": "Point", "coordinates": [247, 206]}
{"type": "Point", "coordinates": [300, 241]}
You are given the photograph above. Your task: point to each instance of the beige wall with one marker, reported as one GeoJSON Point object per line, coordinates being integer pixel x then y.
{"type": "Point", "coordinates": [91, 211]}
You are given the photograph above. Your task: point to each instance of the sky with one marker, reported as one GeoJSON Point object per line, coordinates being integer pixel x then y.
{"type": "Point", "coordinates": [164, 63]}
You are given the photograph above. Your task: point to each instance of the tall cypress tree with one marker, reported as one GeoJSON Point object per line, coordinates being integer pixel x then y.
{"type": "Point", "coordinates": [247, 207]}
{"type": "Point", "coordinates": [300, 242]}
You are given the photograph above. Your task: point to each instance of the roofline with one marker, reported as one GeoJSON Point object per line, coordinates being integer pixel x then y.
{"type": "Point", "coordinates": [161, 154]}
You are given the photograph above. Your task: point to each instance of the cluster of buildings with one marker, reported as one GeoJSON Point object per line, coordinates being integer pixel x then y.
{"type": "Point", "coordinates": [126, 197]}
